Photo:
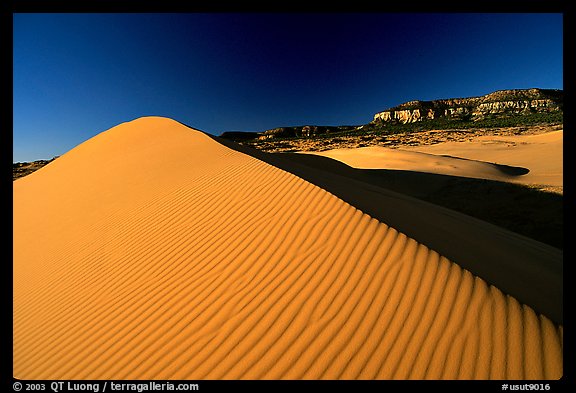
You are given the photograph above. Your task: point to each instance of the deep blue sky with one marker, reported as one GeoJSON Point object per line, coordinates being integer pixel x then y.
{"type": "Point", "coordinates": [76, 75]}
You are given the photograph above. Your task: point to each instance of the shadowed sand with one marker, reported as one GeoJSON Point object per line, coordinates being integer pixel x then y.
{"type": "Point", "coordinates": [377, 157]}
{"type": "Point", "coordinates": [153, 252]}
{"type": "Point", "coordinates": [528, 270]}
{"type": "Point", "coordinates": [525, 159]}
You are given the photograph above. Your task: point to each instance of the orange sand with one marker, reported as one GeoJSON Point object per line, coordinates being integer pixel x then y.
{"type": "Point", "coordinates": [540, 154]}
{"type": "Point", "coordinates": [151, 251]}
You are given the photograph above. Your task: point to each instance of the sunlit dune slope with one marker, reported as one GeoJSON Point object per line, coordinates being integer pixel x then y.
{"type": "Point", "coordinates": [153, 252]}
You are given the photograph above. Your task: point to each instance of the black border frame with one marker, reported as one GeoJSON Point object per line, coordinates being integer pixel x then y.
{"type": "Point", "coordinates": [567, 382]}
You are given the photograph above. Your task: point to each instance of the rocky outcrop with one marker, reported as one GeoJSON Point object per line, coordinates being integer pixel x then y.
{"type": "Point", "coordinates": [526, 106]}
{"type": "Point", "coordinates": [499, 103]}
{"type": "Point", "coordinates": [502, 103]}
{"type": "Point", "coordinates": [301, 131]}
{"type": "Point", "coordinates": [406, 115]}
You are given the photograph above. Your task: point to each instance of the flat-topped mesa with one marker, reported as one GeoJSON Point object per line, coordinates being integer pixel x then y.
{"type": "Point", "coordinates": [501, 103]}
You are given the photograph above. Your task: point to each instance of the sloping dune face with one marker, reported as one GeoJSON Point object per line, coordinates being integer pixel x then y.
{"type": "Point", "coordinates": [153, 252]}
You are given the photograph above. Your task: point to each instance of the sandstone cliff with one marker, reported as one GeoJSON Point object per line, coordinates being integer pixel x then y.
{"type": "Point", "coordinates": [498, 104]}
{"type": "Point", "coordinates": [513, 106]}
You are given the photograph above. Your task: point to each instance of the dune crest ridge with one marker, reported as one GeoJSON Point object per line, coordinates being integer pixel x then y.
{"type": "Point", "coordinates": [153, 252]}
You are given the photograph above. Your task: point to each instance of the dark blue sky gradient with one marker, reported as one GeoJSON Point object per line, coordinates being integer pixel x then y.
{"type": "Point", "coordinates": [76, 75]}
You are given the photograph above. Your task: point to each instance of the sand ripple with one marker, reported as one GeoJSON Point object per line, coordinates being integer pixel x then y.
{"type": "Point", "coordinates": [153, 252]}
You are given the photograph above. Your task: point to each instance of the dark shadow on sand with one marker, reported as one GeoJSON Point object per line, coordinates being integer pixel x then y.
{"type": "Point", "coordinates": [505, 169]}
{"type": "Point", "coordinates": [518, 208]}
{"type": "Point", "coordinates": [527, 269]}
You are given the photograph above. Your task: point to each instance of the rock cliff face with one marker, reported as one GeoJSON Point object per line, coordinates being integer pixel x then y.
{"type": "Point", "coordinates": [301, 131]}
{"type": "Point", "coordinates": [499, 103]}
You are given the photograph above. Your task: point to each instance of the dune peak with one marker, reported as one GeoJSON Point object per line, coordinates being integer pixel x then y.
{"type": "Point", "coordinates": [151, 251]}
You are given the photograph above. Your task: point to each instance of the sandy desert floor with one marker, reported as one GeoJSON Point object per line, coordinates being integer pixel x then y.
{"type": "Point", "coordinates": [535, 160]}
{"type": "Point", "coordinates": [496, 176]}
{"type": "Point", "coordinates": [157, 252]}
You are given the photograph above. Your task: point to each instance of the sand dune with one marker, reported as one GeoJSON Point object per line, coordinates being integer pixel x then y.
{"type": "Point", "coordinates": [378, 157]}
{"type": "Point", "coordinates": [524, 159]}
{"type": "Point", "coordinates": [151, 251]}
{"type": "Point", "coordinates": [541, 153]}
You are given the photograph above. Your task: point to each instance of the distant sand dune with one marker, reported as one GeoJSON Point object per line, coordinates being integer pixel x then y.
{"type": "Point", "coordinates": [541, 153]}
{"type": "Point", "coordinates": [153, 252]}
{"type": "Point", "coordinates": [524, 159]}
